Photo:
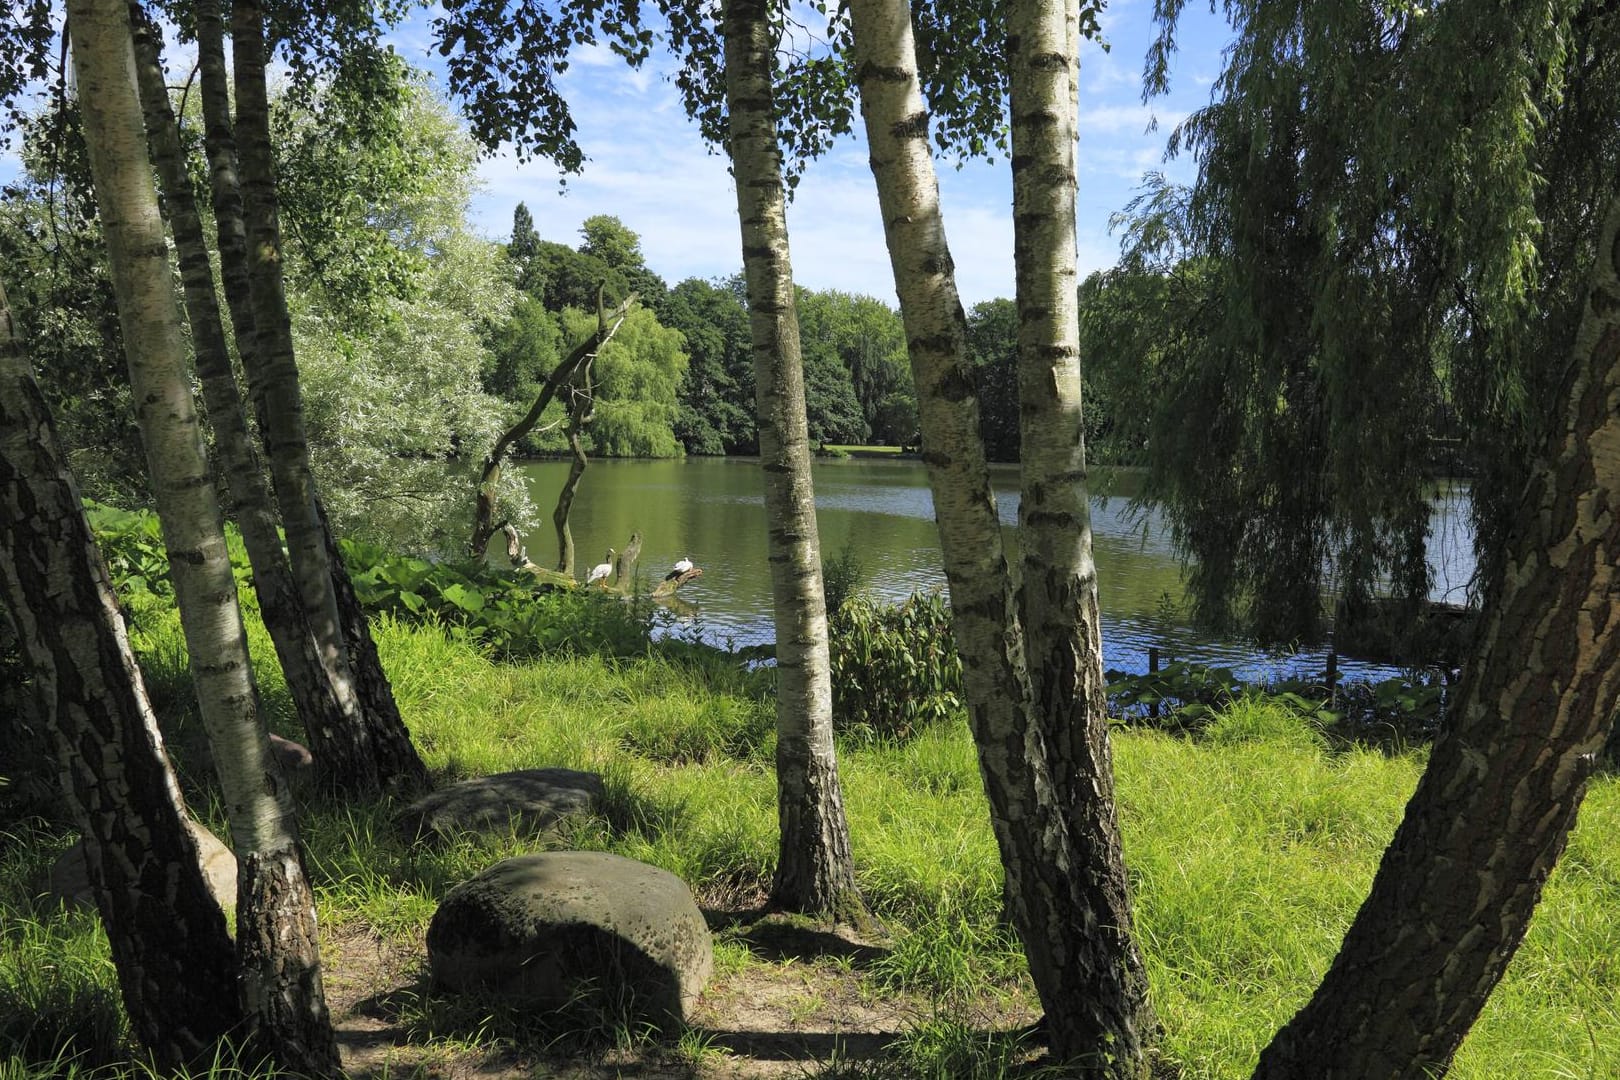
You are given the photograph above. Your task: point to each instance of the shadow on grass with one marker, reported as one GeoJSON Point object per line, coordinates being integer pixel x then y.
{"type": "Point", "coordinates": [777, 937]}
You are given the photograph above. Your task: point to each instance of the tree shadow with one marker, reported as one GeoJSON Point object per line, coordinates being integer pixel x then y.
{"type": "Point", "coordinates": [778, 937]}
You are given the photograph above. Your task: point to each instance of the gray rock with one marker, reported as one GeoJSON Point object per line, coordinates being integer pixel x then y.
{"type": "Point", "coordinates": [294, 758]}
{"type": "Point", "coordinates": [529, 801]}
{"type": "Point", "coordinates": [70, 877]}
{"type": "Point", "coordinates": [541, 930]}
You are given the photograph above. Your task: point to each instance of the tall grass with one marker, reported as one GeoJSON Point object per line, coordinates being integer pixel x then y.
{"type": "Point", "coordinates": [1250, 848]}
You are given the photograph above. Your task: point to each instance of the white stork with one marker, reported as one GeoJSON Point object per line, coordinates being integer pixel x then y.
{"type": "Point", "coordinates": [601, 570]}
{"type": "Point", "coordinates": [682, 565]}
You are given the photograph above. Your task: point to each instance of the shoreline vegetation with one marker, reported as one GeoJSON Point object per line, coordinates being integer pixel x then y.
{"type": "Point", "coordinates": [1251, 833]}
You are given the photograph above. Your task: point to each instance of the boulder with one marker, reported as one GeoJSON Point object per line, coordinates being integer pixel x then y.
{"type": "Point", "coordinates": [530, 801]}
{"type": "Point", "coordinates": [70, 877]}
{"type": "Point", "coordinates": [540, 931]}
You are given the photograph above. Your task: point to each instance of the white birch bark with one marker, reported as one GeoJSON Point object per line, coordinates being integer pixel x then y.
{"type": "Point", "coordinates": [1049, 869]}
{"type": "Point", "coordinates": [814, 871]}
{"type": "Point", "coordinates": [281, 988]}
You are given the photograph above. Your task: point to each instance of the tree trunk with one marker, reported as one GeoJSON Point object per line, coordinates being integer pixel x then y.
{"type": "Point", "coordinates": [1058, 592]}
{"type": "Point", "coordinates": [579, 412]}
{"type": "Point", "coordinates": [280, 985]}
{"type": "Point", "coordinates": [485, 524]}
{"type": "Point", "coordinates": [273, 369]}
{"type": "Point", "coordinates": [318, 706]}
{"type": "Point", "coordinates": [1046, 865]}
{"type": "Point", "coordinates": [168, 935]}
{"type": "Point", "coordinates": [814, 871]}
{"type": "Point", "coordinates": [369, 744]}
{"type": "Point", "coordinates": [399, 766]}
{"type": "Point", "coordinates": [1457, 886]}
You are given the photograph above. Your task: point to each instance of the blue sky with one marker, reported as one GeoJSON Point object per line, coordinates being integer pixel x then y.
{"type": "Point", "coordinates": [649, 167]}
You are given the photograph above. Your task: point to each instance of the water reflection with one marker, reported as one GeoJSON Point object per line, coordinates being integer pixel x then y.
{"type": "Point", "coordinates": [713, 510]}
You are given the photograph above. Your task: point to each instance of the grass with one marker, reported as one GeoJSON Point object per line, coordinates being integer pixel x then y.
{"type": "Point", "coordinates": [1250, 849]}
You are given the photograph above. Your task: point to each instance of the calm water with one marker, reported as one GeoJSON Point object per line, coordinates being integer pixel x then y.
{"type": "Point", "coordinates": [713, 511]}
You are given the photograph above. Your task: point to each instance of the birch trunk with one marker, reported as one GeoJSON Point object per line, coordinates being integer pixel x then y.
{"type": "Point", "coordinates": [1058, 591]}
{"type": "Point", "coordinates": [273, 369]}
{"type": "Point", "coordinates": [279, 965]}
{"type": "Point", "coordinates": [814, 872]}
{"type": "Point", "coordinates": [1046, 865]}
{"type": "Point", "coordinates": [319, 709]}
{"type": "Point", "coordinates": [176, 969]}
{"type": "Point", "coordinates": [365, 743]}
{"type": "Point", "coordinates": [1457, 886]}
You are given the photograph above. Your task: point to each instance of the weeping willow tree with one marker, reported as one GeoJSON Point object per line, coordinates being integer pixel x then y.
{"type": "Point", "coordinates": [1375, 278]}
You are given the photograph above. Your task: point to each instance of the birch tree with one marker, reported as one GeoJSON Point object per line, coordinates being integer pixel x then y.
{"type": "Point", "coordinates": [277, 946]}
{"type": "Point", "coordinates": [814, 870]}
{"type": "Point", "coordinates": [1037, 723]}
{"type": "Point", "coordinates": [168, 937]}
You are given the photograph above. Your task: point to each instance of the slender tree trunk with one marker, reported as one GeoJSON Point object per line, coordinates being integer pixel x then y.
{"type": "Point", "coordinates": [579, 413]}
{"type": "Point", "coordinates": [366, 743]}
{"type": "Point", "coordinates": [276, 938]}
{"type": "Point", "coordinates": [1457, 886]}
{"type": "Point", "coordinates": [814, 872]}
{"type": "Point", "coordinates": [169, 941]}
{"type": "Point", "coordinates": [272, 367]}
{"type": "Point", "coordinates": [485, 524]}
{"type": "Point", "coordinates": [1046, 865]}
{"type": "Point", "coordinates": [398, 764]}
{"type": "Point", "coordinates": [349, 766]}
{"type": "Point", "coordinates": [1058, 590]}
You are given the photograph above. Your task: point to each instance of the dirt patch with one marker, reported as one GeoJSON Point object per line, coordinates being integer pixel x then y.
{"type": "Point", "coordinates": [802, 998]}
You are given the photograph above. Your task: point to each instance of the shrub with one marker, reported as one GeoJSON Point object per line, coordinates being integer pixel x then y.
{"type": "Point", "coordinates": [894, 668]}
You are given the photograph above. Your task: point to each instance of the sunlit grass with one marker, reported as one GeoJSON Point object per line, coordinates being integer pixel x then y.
{"type": "Point", "coordinates": [1250, 849]}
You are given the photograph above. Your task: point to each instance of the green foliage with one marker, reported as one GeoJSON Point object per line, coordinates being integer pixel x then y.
{"type": "Point", "coordinates": [513, 614]}
{"type": "Point", "coordinates": [390, 363]}
{"type": "Point", "coordinates": [870, 342]}
{"type": "Point", "coordinates": [1352, 329]}
{"type": "Point", "coordinates": [636, 379]}
{"type": "Point", "coordinates": [716, 409]}
{"type": "Point", "coordinates": [842, 576]}
{"type": "Point", "coordinates": [894, 667]}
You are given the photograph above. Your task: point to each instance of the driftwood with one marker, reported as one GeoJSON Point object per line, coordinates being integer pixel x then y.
{"type": "Point", "coordinates": [624, 568]}
{"type": "Point", "coordinates": [665, 590]}
{"type": "Point", "coordinates": [607, 324]}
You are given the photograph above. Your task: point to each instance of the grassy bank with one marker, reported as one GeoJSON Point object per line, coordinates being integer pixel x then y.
{"type": "Point", "coordinates": [1250, 847]}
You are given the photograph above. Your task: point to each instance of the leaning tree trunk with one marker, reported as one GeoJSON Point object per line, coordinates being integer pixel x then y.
{"type": "Point", "coordinates": [168, 935]}
{"type": "Point", "coordinates": [1058, 589]}
{"type": "Point", "coordinates": [1457, 886]}
{"type": "Point", "coordinates": [369, 744]}
{"type": "Point", "coordinates": [579, 414]}
{"type": "Point", "coordinates": [814, 871]}
{"type": "Point", "coordinates": [318, 705]}
{"type": "Point", "coordinates": [485, 523]}
{"type": "Point", "coordinates": [1046, 864]}
{"type": "Point", "coordinates": [277, 948]}
{"type": "Point", "coordinates": [273, 369]}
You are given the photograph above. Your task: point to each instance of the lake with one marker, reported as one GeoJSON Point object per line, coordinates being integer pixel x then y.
{"type": "Point", "coordinates": [712, 510]}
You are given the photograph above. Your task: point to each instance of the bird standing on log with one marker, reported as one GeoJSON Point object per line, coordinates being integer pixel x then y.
{"type": "Point", "coordinates": [601, 570]}
{"type": "Point", "coordinates": [681, 566]}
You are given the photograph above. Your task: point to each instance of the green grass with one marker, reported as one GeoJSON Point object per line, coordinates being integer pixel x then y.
{"type": "Point", "coordinates": [1250, 849]}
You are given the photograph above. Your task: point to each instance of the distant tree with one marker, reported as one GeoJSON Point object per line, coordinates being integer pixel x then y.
{"type": "Point", "coordinates": [561, 277]}
{"type": "Point", "coordinates": [522, 350]}
{"type": "Point", "coordinates": [525, 240]}
{"type": "Point", "coordinates": [829, 398]}
{"type": "Point", "coordinates": [993, 347]}
{"type": "Point", "coordinates": [870, 341]}
{"type": "Point", "coordinates": [716, 397]}
{"type": "Point", "coordinates": [636, 379]}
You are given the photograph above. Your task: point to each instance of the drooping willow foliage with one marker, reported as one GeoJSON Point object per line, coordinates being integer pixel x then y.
{"type": "Point", "coordinates": [1373, 280]}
